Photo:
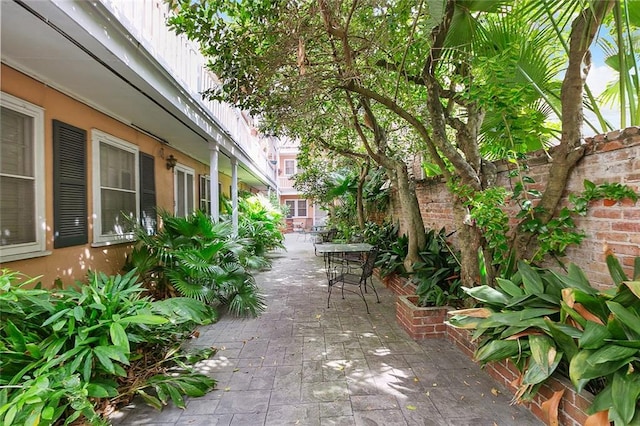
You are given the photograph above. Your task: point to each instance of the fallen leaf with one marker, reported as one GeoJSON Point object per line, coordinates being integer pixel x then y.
{"type": "Point", "coordinates": [601, 418]}
{"type": "Point", "coordinates": [427, 393]}
{"type": "Point", "coordinates": [318, 316]}
{"type": "Point", "coordinates": [550, 408]}
{"type": "Point", "coordinates": [434, 385]}
{"type": "Point", "coordinates": [411, 407]}
{"type": "Point", "coordinates": [415, 379]}
{"type": "Point", "coordinates": [465, 382]}
{"type": "Point", "coordinates": [227, 389]}
{"type": "Point", "coordinates": [495, 391]}
{"type": "Point", "coordinates": [236, 369]}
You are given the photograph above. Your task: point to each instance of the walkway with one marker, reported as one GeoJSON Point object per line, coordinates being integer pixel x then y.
{"type": "Point", "coordinates": [303, 364]}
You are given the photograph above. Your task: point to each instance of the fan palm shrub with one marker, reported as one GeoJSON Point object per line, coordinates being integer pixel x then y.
{"type": "Point", "coordinates": [197, 258]}
{"type": "Point", "coordinates": [261, 223]}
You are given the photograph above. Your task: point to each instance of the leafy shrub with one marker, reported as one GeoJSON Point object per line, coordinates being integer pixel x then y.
{"type": "Point", "coordinates": [437, 274]}
{"type": "Point", "coordinates": [261, 224]}
{"type": "Point", "coordinates": [391, 260]}
{"type": "Point", "coordinates": [65, 354]}
{"type": "Point", "coordinates": [199, 259]}
{"type": "Point", "coordinates": [543, 321]}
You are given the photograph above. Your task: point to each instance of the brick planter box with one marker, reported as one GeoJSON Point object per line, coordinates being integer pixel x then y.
{"type": "Point", "coordinates": [419, 322]}
{"type": "Point", "coordinates": [397, 284]}
{"type": "Point", "coordinates": [573, 406]}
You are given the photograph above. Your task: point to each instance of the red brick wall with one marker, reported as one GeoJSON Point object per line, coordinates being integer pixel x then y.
{"type": "Point", "coordinates": [612, 157]}
{"type": "Point", "coordinates": [573, 406]}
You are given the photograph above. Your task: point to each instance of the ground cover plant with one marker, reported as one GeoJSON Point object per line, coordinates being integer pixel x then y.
{"type": "Point", "coordinates": [75, 354]}
{"type": "Point", "coordinates": [197, 258]}
{"type": "Point", "coordinates": [544, 321]}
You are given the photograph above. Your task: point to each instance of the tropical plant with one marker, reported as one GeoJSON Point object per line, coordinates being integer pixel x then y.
{"type": "Point", "coordinates": [437, 274]}
{"type": "Point", "coordinates": [261, 223]}
{"type": "Point", "coordinates": [544, 321]}
{"type": "Point", "coordinates": [68, 354]}
{"type": "Point", "coordinates": [199, 259]}
{"type": "Point", "coordinates": [391, 260]}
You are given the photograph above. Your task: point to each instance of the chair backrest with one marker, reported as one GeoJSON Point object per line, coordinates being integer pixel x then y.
{"type": "Point", "coordinates": [369, 263]}
{"type": "Point", "coordinates": [331, 234]}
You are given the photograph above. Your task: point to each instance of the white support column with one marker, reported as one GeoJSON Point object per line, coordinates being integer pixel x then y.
{"type": "Point", "coordinates": [234, 194]}
{"type": "Point", "coordinates": [214, 151]}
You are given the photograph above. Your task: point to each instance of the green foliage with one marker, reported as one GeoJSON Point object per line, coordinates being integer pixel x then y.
{"type": "Point", "coordinates": [381, 235]}
{"type": "Point", "coordinates": [63, 351]}
{"type": "Point", "coordinates": [437, 273]}
{"type": "Point", "coordinates": [542, 320]}
{"type": "Point", "coordinates": [260, 222]}
{"type": "Point", "coordinates": [608, 190]}
{"type": "Point", "coordinates": [200, 260]}
{"type": "Point", "coordinates": [391, 260]}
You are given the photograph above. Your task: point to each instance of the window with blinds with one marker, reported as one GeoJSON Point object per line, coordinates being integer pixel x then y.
{"type": "Point", "coordinates": [116, 200]}
{"type": "Point", "coordinates": [21, 178]}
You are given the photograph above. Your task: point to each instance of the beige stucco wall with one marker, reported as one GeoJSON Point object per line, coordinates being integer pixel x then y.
{"type": "Point", "coordinates": [72, 263]}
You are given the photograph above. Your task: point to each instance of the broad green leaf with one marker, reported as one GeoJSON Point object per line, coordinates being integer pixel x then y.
{"type": "Point", "coordinates": [581, 370]}
{"type": "Point", "coordinates": [175, 396]}
{"type": "Point", "coordinates": [100, 390]}
{"type": "Point", "coordinates": [103, 357]}
{"type": "Point", "coordinates": [544, 360]}
{"type": "Point", "coordinates": [78, 313]}
{"type": "Point", "coordinates": [151, 400]}
{"type": "Point", "coordinates": [564, 341]}
{"type": "Point", "coordinates": [602, 401]}
{"type": "Point", "coordinates": [16, 337]}
{"type": "Point", "coordinates": [497, 350]}
{"type": "Point", "coordinates": [611, 353]}
{"type": "Point", "coordinates": [627, 318]}
{"type": "Point", "coordinates": [488, 295]}
{"type": "Point", "coordinates": [55, 317]}
{"type": "Point", "coordinates": [531, 279]}
{"type": "Point", "coordinates": [594, 336]}
{"type": "Point", "coordinates": [625, 390]}
{"type": "Point", "coordinates": [144, 319]}
{"type": "Point", "coordinates": [508, 287]}
{"type": "Point", "coordinates": [119, 336]}
{"type": "Point", "coordinates": [615, 270]}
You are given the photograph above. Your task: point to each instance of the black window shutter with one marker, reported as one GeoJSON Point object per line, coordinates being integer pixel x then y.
{"type": "Point", "coordinates": [69, 185]}
{"type": "Point", "coordinates": [148, 214]}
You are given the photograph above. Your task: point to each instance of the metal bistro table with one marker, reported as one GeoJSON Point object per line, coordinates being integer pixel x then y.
{"type": "Point", "coordinates": [333, 252]}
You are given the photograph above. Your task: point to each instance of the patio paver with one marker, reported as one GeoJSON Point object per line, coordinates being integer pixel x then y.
{"type": "Point", "coordinates": [303, 364]}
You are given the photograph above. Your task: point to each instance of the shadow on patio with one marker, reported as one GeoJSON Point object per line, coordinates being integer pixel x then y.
{"type": "Point", "coordinates": [303, 364]}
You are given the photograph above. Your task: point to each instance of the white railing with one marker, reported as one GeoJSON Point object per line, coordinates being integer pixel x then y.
{"type": "Point", "coordinates": [146, 21]}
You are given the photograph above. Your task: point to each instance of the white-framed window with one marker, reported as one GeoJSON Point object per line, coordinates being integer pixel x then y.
{"type": "Point", "coordinates": [297, 208]}
{"type": "Point", "coordinates": [184, 190]}
{"type": "Point", "coordinates": [22, 199]}
{"type": "Point", "coordinates": [115, 188]}
{"type": "Point", "coordinates": [205, 194]}
{"type": "Point", "coordinates": [289, 167]}
{"type": "Point", "coordinates": [291, 204]}
{"type": "Point", "coordinates": [302, 208]}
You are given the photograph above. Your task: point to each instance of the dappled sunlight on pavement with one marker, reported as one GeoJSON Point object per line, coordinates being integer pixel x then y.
{"type": "Point", "coordinates": [303, 364]}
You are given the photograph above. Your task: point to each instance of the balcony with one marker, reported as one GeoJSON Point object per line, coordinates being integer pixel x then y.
{"type": "Point", "coordinates": [146, 20]}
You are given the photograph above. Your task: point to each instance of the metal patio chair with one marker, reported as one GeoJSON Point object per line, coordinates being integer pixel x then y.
{"type": "Point", "coordinates": [349, 276]}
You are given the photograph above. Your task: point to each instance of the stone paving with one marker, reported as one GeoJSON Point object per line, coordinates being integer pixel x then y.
{"type": "Point", "coordinates": [303, 364]}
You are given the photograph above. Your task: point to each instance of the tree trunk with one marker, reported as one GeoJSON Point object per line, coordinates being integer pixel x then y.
{"type": "Point", "coordinates": [469, 241]}
{"type": "Point", "coordinates": [570, 151]}
{"type": "Point", "coordinates": [411, 214]}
